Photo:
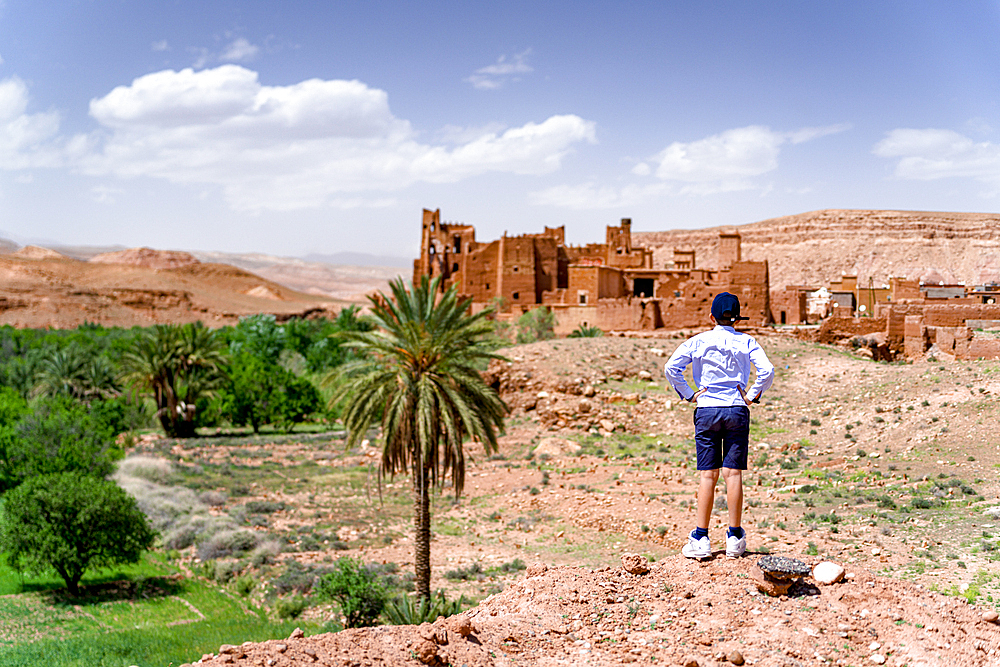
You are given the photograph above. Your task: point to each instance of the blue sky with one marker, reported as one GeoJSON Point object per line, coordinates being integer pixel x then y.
{"type": "Point", "coordinates": [299, 127]}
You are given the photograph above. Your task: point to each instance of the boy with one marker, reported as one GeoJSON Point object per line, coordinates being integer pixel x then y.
{"type": "Point", "coordinates": [720, 360]}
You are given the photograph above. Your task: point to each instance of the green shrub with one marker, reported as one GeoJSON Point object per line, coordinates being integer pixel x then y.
{"type": "Point", "coordinates": [359, 593]}
{"type": "Point", "coordinates": [72, 523]}
{"type": "Point", "coordinates": [404, 611]}
{"type": "Point", "coordinates": [227, 543]}
{"type": "Point", "coordinates": [245, 585]}
{"type": "Point", "coordinates": [536, 325]}
{"type": "Point", "coordinates": [290, 607]}
{"type": "Point", "coordinates": [586, 332]}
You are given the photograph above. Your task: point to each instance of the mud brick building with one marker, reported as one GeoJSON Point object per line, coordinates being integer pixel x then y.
{"type": "Point", "coordinates": [611, 285]}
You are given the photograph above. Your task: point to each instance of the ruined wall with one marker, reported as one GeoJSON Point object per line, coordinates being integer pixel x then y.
{"type": "Point", "coordinates": [730, 250]}
{"type": "Point", "coordinates": [480, 274]}
{"type": "Point", "coordinates": [788, 306]}
{"type": "Point", "coordinates": [750, 283]}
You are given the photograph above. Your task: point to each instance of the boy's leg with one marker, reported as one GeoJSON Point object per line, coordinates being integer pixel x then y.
{"type": "Point", "coordinates": [734, 495]}
{"type": "Point", "coordinates": [706, 496]}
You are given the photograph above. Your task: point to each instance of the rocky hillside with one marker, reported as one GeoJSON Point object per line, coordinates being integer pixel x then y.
{"type": "Point", "coordinates": [815, 248]}
{"type": "Point", "coordinates": [41, 288]}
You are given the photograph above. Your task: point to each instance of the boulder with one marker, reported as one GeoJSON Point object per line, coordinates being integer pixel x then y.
{"type": "Point", "coordinates": [635, 564]}
{"type": "Point", "coordinates": [827, 573]}
{"type": "Point", "coordinates": [769, 585]}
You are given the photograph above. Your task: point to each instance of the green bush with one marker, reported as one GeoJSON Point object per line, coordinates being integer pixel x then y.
{"type": "Point", "coordinates": [72, 523]}
{"type": "Point", "coordinates": [404, 611]}
{"type": "Point", "coordinates": [536, 325]}
{"type": "Point", "coordinates": [61, 435]}
{"type": "Point", "coordinates": [359, 592]}
{"type": "Point", "coordinates": [586, 332]}
{"type": "Point", "coordinates": [291, 607]}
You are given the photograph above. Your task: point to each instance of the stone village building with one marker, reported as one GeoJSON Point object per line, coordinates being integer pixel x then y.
{"type": "Point", "coordinates": [611, 285]}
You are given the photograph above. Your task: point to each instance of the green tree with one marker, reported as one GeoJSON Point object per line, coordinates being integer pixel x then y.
{"type": "Point", "coordinates": [60, 435]}
{"type": "Point", "coordinates": [536, 325]}
{"type": "Point", "coordinates": [253, 391]}
{"type": "Point", "coordinates": [417, 376]}
{"type": "Point", "coordinates": [358, 591]}
{"type": "Point", "coordinates": [72, 523]}
{"type": "Point", "coordinates": [178, 363]}
{"type": "Point", "coordinates": [258, 335]}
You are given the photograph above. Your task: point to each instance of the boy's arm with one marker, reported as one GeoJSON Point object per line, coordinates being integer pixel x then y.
{"type": "Point", "coordinates": [674, 370]}
{"type": "Point", "coordinates": [765, 373]}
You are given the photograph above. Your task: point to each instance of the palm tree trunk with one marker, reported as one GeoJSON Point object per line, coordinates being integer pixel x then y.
{"type": "Point", "coordinates": [422, 530]}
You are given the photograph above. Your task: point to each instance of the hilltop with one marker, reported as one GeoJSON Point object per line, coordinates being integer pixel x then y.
{"type": "Point", "coordinates": [140, 286]}
{"type": "Point", "coordinates": [817, 247]}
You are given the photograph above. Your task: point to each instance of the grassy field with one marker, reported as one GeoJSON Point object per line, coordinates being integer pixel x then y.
{"type": "Point", "coordinates": [145, 615]}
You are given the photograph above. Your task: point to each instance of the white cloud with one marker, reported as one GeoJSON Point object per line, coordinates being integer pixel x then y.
{"type": "Point", "coordinates": [932, 154]}
{"type": "Point", "coordinates": [593, 196]}
{"type": "Point", "coordinates": [724, 162]}
{"type": "Point", "coordinates": [239, 50]}
{"type": "Point", "coordinates": [496, 75]}
{"type": "Point", "coordinates": [161, 45]}
{"type": "Point", "coordinates": [105, 194]}
{"type": "Point", "coordinates": [26, 140]}
{"type": "Point", "coordinates": [297, 146]}
{"type": "Point", "coordinates": [728, 161]}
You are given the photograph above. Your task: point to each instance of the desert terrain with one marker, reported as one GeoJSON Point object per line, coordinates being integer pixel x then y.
{"type": "Point", "coordinates": [42, 288]}
{"type": "Point", "coordinates": [889, 470]}
{"type": "Point", "coordinates": [818, 247]}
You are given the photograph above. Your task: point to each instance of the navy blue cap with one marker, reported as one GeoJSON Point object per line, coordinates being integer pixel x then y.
{"type": "Point", "coordinates": [726, 308]}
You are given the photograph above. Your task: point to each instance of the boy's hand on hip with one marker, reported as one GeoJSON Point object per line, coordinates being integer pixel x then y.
{"type": "Point", "coordinates": [697, 394]}
{"type": "Point", "coordinates": [744, 395]}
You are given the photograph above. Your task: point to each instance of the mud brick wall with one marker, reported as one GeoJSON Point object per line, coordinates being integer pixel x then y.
{"type": "Point", "coordinates": [957, 315]}
{"type": "Point", "coordinates": [834, 329]}
{"type": "Point", "coordinates": [790, 302]}
{"type": "Point", "coordinates": [481, 273]}
{"type": "Point", "coordinates": [983, 348]}
{"type": "Point", "coordinates": [914, 336]}
{"type": "Point", "coordinates": [749, 282]}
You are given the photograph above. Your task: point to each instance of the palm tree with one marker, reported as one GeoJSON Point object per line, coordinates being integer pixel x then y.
{"type": "Point", "coordinates": [62, 373]}
{"type": "Point", "coordinates": [417, 375]}
{"type": "Point", "coordinates": [178, 363]}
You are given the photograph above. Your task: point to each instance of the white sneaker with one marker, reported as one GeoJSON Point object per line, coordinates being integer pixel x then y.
{"type": "Point", "coordinates": [736, 546]}
{"type": "Point", "coordinates": [699, 549]}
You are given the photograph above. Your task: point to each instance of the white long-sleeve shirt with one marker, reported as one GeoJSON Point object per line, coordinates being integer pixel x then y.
{"type": "Point", "coordinates": [720, 361]}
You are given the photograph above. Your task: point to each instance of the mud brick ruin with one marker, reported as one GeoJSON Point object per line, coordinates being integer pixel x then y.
{"type": "Point", "coordinates": [907, 318]}
{"type": "Point", "coordinates": [611, 285]}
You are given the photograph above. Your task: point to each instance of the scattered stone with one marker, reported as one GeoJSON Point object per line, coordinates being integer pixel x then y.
{"type": "Point", "coordinates": [536, 569]}
{"type": "Point", "coordinates": [635, 564]}
{"type": "Point", "coordinates": [556, 447]}
{"type": "Point", "coordinates": [767, 584]}
{"type": "Point", "coordinates": [990, 616]}
{"type": "Point", "coordinates": [297, 634]}
{"type": "Point", "coordinates": [827, 573]}
{"type": "Point", "coordinates": [645, 375]}
{"type": "Point", "coordinates": [542, 394]}
{"type": "Point", "coordinates": [227, 648]}
{"type": "Point", "coordinates": [205, 657]}
{"type": "Point", "coordinates": [281, 648]}
{"type": "Point", "coordinates": [310, 652]}
{"type": "Point", "coordinates": [877, 658]}
{"type": "Point", "coordinates": [426, 651]}
{"type": "Point", "coordinates": [736, 658]}
{"type": "Point", "coordinates": [782, 567]}
{"type": "Point", "coordinates": [607, 425]}
{"type": "Point", "coordinates": [589, 391]}
{"type": "Point", "coordinates": [462, 625]}
{"type": "Point", "coordinates": [690, 661]}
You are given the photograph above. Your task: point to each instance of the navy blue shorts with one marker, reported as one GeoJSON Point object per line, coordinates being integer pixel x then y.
{"type": "Point", "coordinates": [722, 437]}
